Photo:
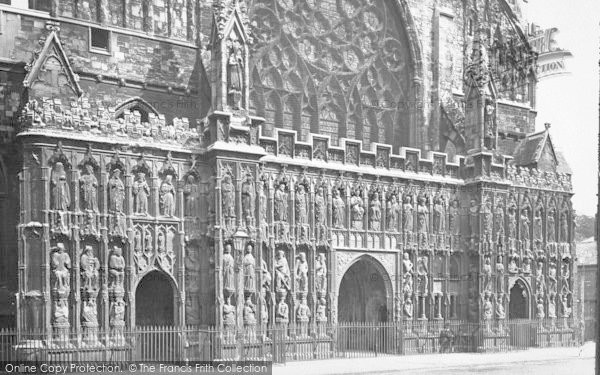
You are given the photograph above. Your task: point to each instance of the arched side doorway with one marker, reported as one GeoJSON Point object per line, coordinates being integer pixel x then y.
{"type": "Point", "coordinates": [154, 300]}
{"type": "Point", "coordinates": [365, 293]}
{"type": "Point", "coordinates": [519, 301]}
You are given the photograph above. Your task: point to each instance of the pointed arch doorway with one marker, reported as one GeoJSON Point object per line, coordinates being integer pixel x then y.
{"type": "Point", "coordinates": [364, 293]}
{"type": "Point", "coordinates": [154, 301]}
{"type": "Point", "coordinates": [519, 301]}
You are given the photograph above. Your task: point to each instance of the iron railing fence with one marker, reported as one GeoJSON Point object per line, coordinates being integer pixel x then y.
{"type": "Point", "coordinates": [284, 342]}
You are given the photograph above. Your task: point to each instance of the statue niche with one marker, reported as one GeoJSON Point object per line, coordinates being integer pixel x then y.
{"type": "Point", "coordinates": [60, 192]}
{"type": "Point", "coordinates": [89, 189]}
{"type": "Point", "coordinates": [167, 197]}
{"type": "Point", "coordinates": [235, 73]}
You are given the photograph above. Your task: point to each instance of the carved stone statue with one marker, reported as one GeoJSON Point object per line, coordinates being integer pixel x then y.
{"type": "Point", "coordinates": [512, 223]}
{"type": "Point", "coordinates": [407, 265]}
{"type": "Point", "coordinates": [321, 274]}
{"type": "Point", "coordinates": [321, 313]}
{"type": "Point", "coordinates": [281, 203]}
{"type": "Point", "coordinates": [61, 194]}
{"type": "Point", "coordinates": [89, 270]}
{"type": "Point", "coordinates": [165, 259]}
{"type": "Point", "coordinates": [499, 274]}
{"type": "Point", "coordinates": [140, 193]}
{"type": "Point", "coordinates": [303, 311]}
{"type": "Point", "coordinates": [89, 313]}
{"type": "Point", "coordinates": [487, 274]}
{"type": "Point", "coordinates": [117, 312]}
{"type": "Point", "coordinates": [537, 225]}
{"type": "Point", "coordinates": [61, 269]}
{"type": "Point", "coordinates": [301, 206]}
{"type": "Point", "coordinates": [338, 209]}
{"type": "Point", "coordinates": [138, 253]}
{"type": "Point", "coordinates": [486, 210]}
{"type": "Point", "coordinates": [228, 313]}
{"type": "Point", "coordinates": [422, 220]}
{"type": "Point", "coordinates": [551, 225]}
{"type": "Point", "coordinates": [408, 305]}
{"type": "Point", "coordinates": [228, 197]}
{"type": "Point", "coordinates": [249, 312]}
{"type": "Point", "coordinates": [89, 189]}
{"type": "Point", "coordinates": [282, 272]}
{"type": "Point", "coordinates": [357, 210]}
{"type": "Point", "coordinates": [539, 307]}
{"type": "Point", "coordinates": [235, 75]}
{"type": "Point", "coordinates": [61, 312]}
{"type": "Point", "coordinates": [407, 214]}
{"type": "Point", "coordinates": [266, 276]}
{"type": "Point", "coordinates": [439, 215]}
{"type": "Point", "coordinates": [167, 196]}
{"type": "Point", "coordinates": [191, 193]}
{"type": "Point", "coordinates": [393, 211]}
{"type": "Point", "coordinates": [454, 219]}
{"type": "Point", "coordinates": [116, 269]}
{"type": "Point", "coordinates": [301, 273]}
{"type": "Point", "coordinates": [263, 201]}
{"type": "Point", "coordinates": [524, 225]}
{"type": "Point", "coordinates": [228, 270]}
{"type": "Point", "coordinates": [499, 223]}
{"type": "Point", "coordinates": [473, 217]}
{"type": "Point", "coordinates": [116, 192]}
{"type": "Point", "coordinates": [283, 311]}
{"type": "Point", "coordinates": [320, 208]}
{"type": "Point", "coordinates": [488, 308]}
{"type": "Point", "coordinates": [248, 198]}
{"type": "Point", "coordinates": [375, 212]}
{"type": "Point", "coordinates": [500, 312]}
{"type": "Point", "coordinates": [564, 227]}
{"type": "Point", "coordinates": [422, 275]}
{"type": "Point", "coordinates": [249, 266]}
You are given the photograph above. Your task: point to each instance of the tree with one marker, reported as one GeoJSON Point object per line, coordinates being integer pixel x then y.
{"type": "Point", "coordinates": [584, 227]}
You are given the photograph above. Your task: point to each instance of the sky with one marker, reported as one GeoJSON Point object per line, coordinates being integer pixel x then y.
{"type": "Point", "coordinates": [570, 103]}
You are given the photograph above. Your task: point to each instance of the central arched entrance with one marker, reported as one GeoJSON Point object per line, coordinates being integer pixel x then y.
{"type": "Point", "coordinates": [154, 301]}
{"type": "Point", "coordinates": [364, 293]}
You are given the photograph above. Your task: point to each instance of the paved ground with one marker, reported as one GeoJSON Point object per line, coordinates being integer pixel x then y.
{"type": "Point", "coordinates": [551, 361]}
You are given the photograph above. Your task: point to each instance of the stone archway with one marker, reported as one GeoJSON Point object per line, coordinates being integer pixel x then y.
{"type": "Point", "coordinates": [519, 301]}
{"type": "Point", "coordinates": [154, 300]}
{"type": "Point", "coordinates": [365, 292]}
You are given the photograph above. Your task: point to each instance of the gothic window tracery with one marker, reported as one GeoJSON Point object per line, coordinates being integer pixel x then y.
{"type": "Point", "coordinates": [345, 62]}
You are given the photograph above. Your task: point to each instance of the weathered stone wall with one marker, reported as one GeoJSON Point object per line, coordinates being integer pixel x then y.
{"type": "Point", "coordinates": [165, 74]}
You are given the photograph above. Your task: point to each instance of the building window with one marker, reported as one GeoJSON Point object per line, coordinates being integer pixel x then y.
{"type": "Point", "coordinates": [99, 39]}
{"type": "Point", "coordinates": [43, 5]}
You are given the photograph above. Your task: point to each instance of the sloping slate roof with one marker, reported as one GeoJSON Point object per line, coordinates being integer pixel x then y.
{"type": "Point", "coordinates": [530, 150]}
{"type": "Point", "coordinates": [586, 252]}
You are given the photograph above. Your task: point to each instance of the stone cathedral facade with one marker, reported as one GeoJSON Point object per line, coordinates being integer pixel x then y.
{"type": "Point", "coordinates": [244, 164]}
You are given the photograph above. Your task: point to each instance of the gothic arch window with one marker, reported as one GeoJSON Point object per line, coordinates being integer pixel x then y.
{"type": "Point", "coordinates": [136, 104]}
{"type": "Point", "coordinates": [343, 57]}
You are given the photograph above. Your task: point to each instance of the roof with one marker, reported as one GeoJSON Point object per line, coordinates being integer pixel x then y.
{"type": "Point", "coordinates": [538, 150]}
{"type": "Point", "coordinates": [587, 252]}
